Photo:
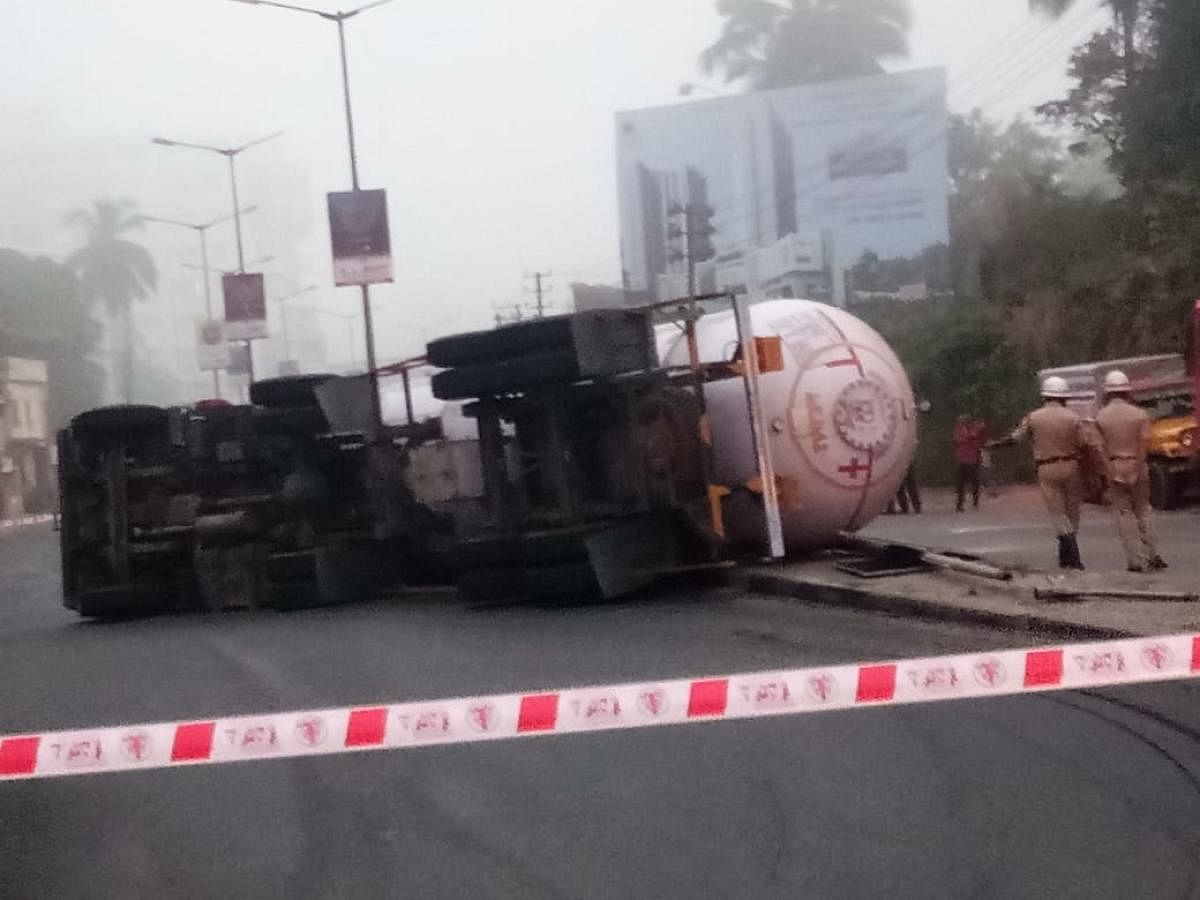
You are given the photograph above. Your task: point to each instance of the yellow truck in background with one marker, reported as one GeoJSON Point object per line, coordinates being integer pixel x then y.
{"type": "Point", "coordinates": [1163, 386]}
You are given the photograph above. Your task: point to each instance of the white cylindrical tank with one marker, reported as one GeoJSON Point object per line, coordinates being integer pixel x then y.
{"type": "Point", "coordinates": [841, 418]}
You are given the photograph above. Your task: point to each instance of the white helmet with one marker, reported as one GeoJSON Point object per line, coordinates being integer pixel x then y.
{"type": "Point", "coordinates": [1117, 382]}
{"type": "Point", "coordinates": [1056, 388]}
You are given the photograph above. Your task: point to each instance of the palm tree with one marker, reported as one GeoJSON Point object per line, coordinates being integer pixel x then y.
{"type": "Point", "coordinates": [778, 43]}
{"type": "Point", "coordinates": [114, 272]}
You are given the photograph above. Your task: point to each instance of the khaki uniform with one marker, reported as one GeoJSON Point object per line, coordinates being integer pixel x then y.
{"type": "Point", "coordinates": [1059, 441]}
{"type": "Point", "coordinates": [1126, 432]}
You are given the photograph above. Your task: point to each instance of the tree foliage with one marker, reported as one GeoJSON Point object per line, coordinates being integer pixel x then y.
{"type": "Point", "coordinates": [770, 44]}
{"type": "Point", "coordinates": [1040, 272]}
{"type": "Point", "coordinates": [43, 316]}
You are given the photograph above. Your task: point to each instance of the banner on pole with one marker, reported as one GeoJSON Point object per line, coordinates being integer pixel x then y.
{"type": "Point", "coordinates": [245, 306]}
{"type": "Point", "coordinates": [359, 236]}
{"type": "Point", "coordinates": [212, 352]}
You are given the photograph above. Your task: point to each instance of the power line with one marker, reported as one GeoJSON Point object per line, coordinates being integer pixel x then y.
{"type": "Point", "coordinates": [1032, 59]}
{"type": "Point", "coordinates": [996, 56]}
{"type": "Point", "coordinates": [1073, 30]}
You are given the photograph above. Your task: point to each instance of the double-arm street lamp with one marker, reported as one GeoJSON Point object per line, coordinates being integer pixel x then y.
{"type": "Point", "coordinates": [201, 228]}
{"type": "Point", "coordinates": [230, 153]}
{"type": "Point", "coordinates": [340, 19]}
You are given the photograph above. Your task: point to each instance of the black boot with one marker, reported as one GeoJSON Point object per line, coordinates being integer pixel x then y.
{"type": "Point", "coordinates": [1064, 554]}
{"type": "Point", "coordinates": [1158, 563]}
{"type": "Point", "coordinates": [1073, 559]}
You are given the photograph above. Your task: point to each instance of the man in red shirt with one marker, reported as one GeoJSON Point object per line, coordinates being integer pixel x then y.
{"type": "Point", "coordinates": [970, 438]}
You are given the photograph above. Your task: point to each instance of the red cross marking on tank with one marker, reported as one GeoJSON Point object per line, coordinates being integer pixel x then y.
{"type": "Point", "coordinates": [854, 468]}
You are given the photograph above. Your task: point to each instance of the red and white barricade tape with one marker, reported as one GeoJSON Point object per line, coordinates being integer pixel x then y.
{"type": "Point", "coordinates": [600, 708]}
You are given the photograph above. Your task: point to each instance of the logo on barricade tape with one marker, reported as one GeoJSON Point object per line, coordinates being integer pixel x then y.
{"type": "Point", "coordinates": [310, 730]}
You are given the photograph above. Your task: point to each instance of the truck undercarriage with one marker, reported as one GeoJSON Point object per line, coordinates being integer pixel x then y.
{"type": "Point", "coordinates": [586, 477]}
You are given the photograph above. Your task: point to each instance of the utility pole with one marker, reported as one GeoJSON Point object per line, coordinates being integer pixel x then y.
{"type": "Point", "coordinates": [283, 316]}
{"type": "Point", "coordinates": [540, 290]}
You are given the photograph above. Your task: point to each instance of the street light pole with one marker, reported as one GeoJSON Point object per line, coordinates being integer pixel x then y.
{"type": "Point", "coordinates": [208, 313]}
{"type": "Point", "coordinates": [368, 323]}
{"type": "Point", "coordinates": [339, 18]}
{"type": "Point", "coordinates": [341, 27]}
{"type": "Point", "coordinates": [201, 228]}
{"type": "Point", "coordinates": [207, 286]}
{"type": "Point", "coordinates": [237, 218]}
{"type": "Point", "coordinates": [229, 153]}
{"type": "Point", "coordinates": [348, 318]}
{"type": "Point", "coordinates": [283, 316]}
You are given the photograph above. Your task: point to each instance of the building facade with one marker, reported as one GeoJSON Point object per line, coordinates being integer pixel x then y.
{"type": "Point", "coordinates": [27, 482]}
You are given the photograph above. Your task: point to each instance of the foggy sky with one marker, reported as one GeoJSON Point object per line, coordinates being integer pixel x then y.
{"type": "Point", "coordinates": [490, 123]}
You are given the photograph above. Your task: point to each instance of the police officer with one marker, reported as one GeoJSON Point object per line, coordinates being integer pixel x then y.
{"type": "Point", "coordinates": [1126, 432]}
{"type": "Point", "coordinates": [1059, 442]}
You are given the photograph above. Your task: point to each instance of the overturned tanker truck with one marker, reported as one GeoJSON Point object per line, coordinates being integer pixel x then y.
{"type": "Point", "coordinates": [575, 457]}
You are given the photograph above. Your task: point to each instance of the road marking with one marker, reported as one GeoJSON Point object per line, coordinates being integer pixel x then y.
{"type": "Point", "coordinates": [463, 720]}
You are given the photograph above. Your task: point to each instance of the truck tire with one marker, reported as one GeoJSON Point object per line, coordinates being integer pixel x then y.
{"type": "Point", "coordinates": [536, 335]}
{"type": "Point", "coordinates": [119, 421]}
{"type": "Point", "coordinates": [287, 391]}
{"type": "Point", "coordinates": [1165, 487]}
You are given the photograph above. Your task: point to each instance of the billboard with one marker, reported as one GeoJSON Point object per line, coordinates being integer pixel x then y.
{"type": "Point", "coordinates": [212, 351]}
{"type": "Point", "coordinates": [358, 232]}
{"type": "Point", "coordinates": [783, 190]}
{"type": "Point", "coordinates": [245, 306]}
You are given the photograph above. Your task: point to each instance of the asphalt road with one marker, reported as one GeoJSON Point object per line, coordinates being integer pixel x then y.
{"type": "Point", "coordinates": [1013, 529]}
{"type": "Point", "coordinates": [1060, 795]}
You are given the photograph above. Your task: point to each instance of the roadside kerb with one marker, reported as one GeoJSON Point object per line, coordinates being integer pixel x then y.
{"type": "Point", "coordinates": [977, 602]}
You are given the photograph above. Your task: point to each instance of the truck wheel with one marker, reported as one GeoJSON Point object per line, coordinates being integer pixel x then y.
{"type": "Point", "coordinates": [287, 390]}
{"type": "Point", "coordinates": [119, 420]}
{"type": "Point", "coordinates": [1165, 487]}
{"type": "Point", "coordinates": [505, 342]}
